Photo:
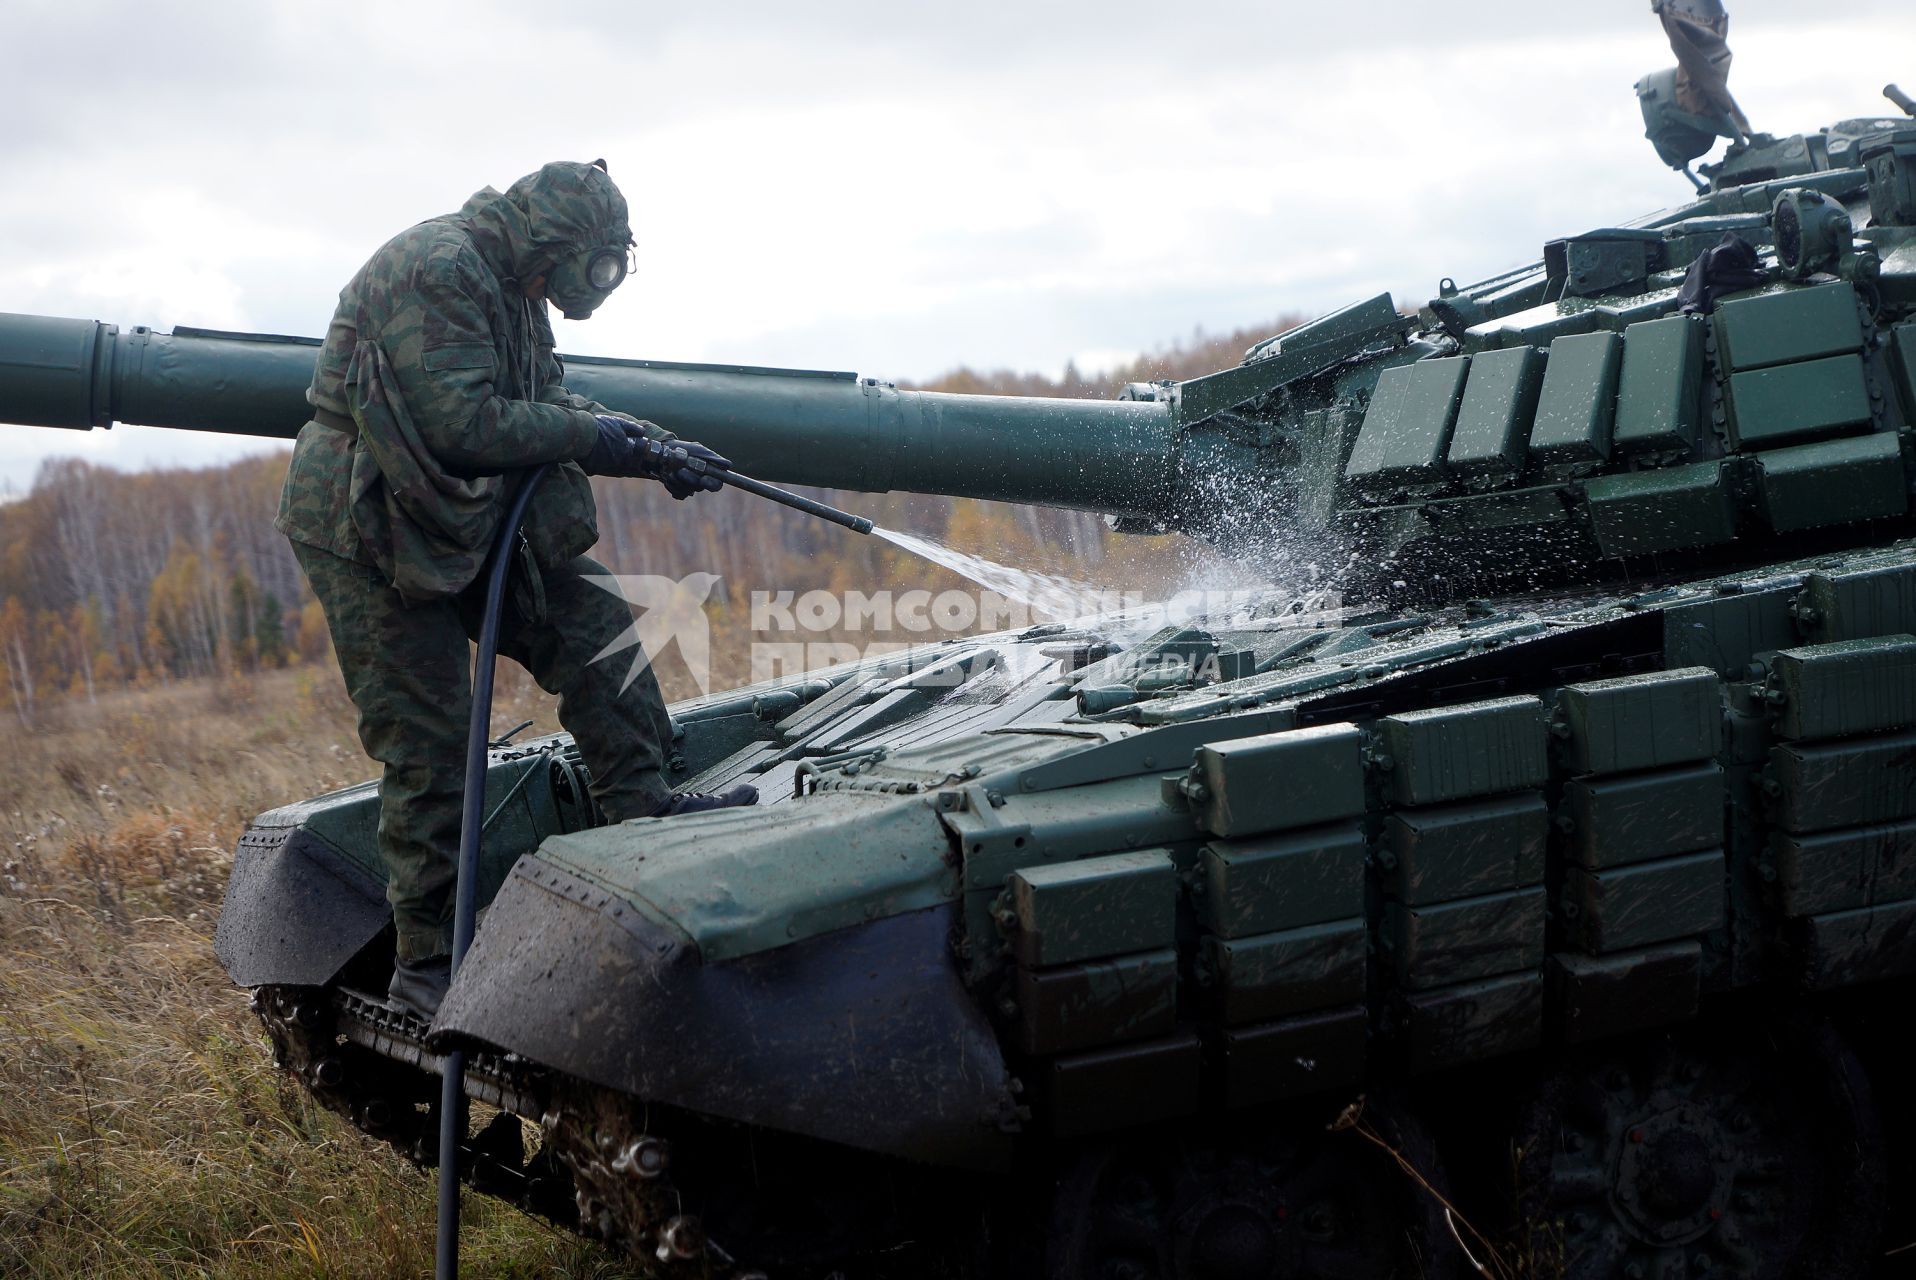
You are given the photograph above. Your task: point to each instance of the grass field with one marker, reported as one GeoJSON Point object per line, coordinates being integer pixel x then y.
{"type": "Point", "coordinates": [143, 1128]}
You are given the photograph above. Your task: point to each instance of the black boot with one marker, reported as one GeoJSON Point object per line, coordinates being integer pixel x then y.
{"type": "Point", "coordinates": [699, 802]}
{"type": "Point", "coordinates": [419, 985]}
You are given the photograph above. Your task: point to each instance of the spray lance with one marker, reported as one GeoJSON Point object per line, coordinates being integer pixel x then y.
{"type": "Point", "coordinates": [665, 457]}
{"type": "Point", "coordinates": [452, 1097]}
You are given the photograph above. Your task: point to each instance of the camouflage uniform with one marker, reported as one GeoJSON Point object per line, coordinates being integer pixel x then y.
{"type": "Point", "coordinates": [436, 383]}
{"type": "Point", "coordinates": [1698, 32]}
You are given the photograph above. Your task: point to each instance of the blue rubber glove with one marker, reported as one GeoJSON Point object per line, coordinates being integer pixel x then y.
{"type": "Point", "coordinates": [682, 480]}
{"type": "Point", "coordinates": [619, 450]}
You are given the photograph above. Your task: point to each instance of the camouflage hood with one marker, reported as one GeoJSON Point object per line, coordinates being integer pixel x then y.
{"type": "Point", "coordinates": [448, 375]}
{"type": "Point", "coordinates": [525, 229]}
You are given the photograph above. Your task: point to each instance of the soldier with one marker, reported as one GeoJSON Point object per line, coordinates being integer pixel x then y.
{"type": "Point", "coordinates": [436, 385]}
{"type": "Point", "coordinates": [1698, 31]}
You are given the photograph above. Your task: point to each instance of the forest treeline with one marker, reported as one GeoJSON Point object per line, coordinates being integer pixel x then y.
{"type": "Point", "coordinates": [110, 578]}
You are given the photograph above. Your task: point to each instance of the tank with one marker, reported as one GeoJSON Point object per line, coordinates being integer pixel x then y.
{"type": "Point", "coordinates": [1546, 905]}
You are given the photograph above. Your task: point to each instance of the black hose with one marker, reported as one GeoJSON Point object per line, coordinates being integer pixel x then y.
{"type": "Point", "coordinates": [465, 900]}
{"type": "Point", "coordinates": [452, 1092]}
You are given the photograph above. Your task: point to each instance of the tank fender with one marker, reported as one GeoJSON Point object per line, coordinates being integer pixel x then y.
{"type": "Point", "coordinates": [863, 1036]}
{"type": "Point", "coordinates": [296, 911]}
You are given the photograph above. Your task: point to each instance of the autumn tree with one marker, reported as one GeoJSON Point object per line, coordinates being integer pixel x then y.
{"type": "Point", "coordinates": [16, 655]}
{"type": "Point", "coordinates": [269, 631]}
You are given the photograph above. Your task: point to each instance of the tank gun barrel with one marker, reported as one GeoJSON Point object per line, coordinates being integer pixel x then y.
{"type": "Point", "coordinates": [848, 432]}
{"type": "Point", "coordinates": [783, 425]}
{"type": "Point", "coordinates": [1901, 99]}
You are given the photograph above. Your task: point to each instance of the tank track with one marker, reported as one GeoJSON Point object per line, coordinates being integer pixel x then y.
{"type": "Point", "coordinates": [598, 1170]}
{"type": "Point", "coordinates": [623, 1189]}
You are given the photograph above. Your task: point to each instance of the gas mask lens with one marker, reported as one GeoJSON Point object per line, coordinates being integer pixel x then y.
{"type": "Point", "coordinates": [606, 268]}
{"type": "Point", "coordinates": [579, 283]}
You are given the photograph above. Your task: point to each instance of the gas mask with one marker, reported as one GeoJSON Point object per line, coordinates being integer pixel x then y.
{"type": "Point", "coordinates": [580, 282]}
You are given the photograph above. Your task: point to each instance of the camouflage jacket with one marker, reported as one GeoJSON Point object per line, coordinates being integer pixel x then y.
{"type": "Point", "coordinates": [447, 373]}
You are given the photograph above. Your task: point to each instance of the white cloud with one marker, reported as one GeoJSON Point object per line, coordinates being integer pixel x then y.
{"type": "Point", "coordinates": [892, 188]}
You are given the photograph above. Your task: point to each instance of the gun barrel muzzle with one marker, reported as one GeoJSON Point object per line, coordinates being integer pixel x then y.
{"type": "Point", "coordinates": [1901, 99]}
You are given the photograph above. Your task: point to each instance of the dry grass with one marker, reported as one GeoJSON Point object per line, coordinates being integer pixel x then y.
{"type": "Point", "coordinates": [143, 1129]}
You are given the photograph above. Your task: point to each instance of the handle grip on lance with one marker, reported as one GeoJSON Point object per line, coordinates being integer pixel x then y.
{"type": "Point", "coordinates": [677, 458]}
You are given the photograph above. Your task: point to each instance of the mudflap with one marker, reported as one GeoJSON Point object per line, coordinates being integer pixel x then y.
{"type": "Point", "coordinates": [295, 911]}
{"type": "Point", "coordinates": [864, 1036]}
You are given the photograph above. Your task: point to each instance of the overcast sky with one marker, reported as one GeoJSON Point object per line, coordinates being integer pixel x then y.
{"type": "Point", "coordinates": [886, 187]}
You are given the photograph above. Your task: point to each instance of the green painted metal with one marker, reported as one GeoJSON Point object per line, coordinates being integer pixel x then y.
{"type": "Point", "coordinates": [1865, 602]}
{"type": "Point", "coordinates": [1054, 826]}
{"type": "Point", "coordinates": [1268, 975]}
{"type": "Point", "coordinates": [1848, 687]}
{"type": "Point", "coordinates": [1668, 509]}
{"type": "Point", "coordinates": [1510, 514]}
{"type": "Point", "coordinates": [1891, 161]}
{"type": "Point", "coordinates": [1577, 406]}
{"type": "Point", "coordinates": [521, 810]}
{"type": "Point", "coordinates": [794, 426]}
{"type": "Point", "coordinates": [1321, 773]}
{"type": "Point", "coordinates": [1834, 482]}
{"type": "Point", "coordinates": [861, 433]}
{"type": "Point", "coordinates": [1817, 786]}
{"type": "Point", "coordinates": [1461, 850]}
{"type": "Point", "coordinates": [1364, 326]}
{"type": "Point", "coordinates": [1896, 281]}
{"type": "Point", "coordinates": [1724, 631]}
{"type": "Point", "coordinates": [1641, 722]}
{"type": "Point", "coordinates": [733, 886]}
{"type": "Point", "coordinates": [1280, 882]}
{"type": "Point", "coordinates": [1098, 907]}
{"type": "Point", "coordinates": [1614, 821]}
{"type": "Point", "coordinates": [1472, 1021]}
{"type": "Point", "coordinates": [347, 820]}
{"type": "Point", "coordinates": [1076, 1006]}
{"type": "Point", "coordinates": [1407, 430]}
{"type": "Point", "coordinates": [1785, 404]}
{"type": "Point", "coordinates": [1618, 908]}
{"type": "Point", "coordinates": [1544, 322]}
{"type": "Point", "coordinates": [1493, 421]}
{"type": "Point", "coordinates": [1587, 709]}
{"type": "Point", "coordinates": [1610, 261]}
{"type": "Point", "coordinates": [1788, 325]}
{"type": "Point", "coordinates": [81, 374]}
{"type": "Point", "coordinates": [1659, 397]}
{"type": "Point", "coordinates": [1865, 945]}
{"type": "Point", "coordinates": [1905, 365]}
{"type": "Point", "coordinates": [1597, 997]}
{"type": "Point", "coordinates": [1135, 1084]}
{"type": "Point", "coordinates": [1843, 870]}
{"type": "Point", "coordinates": [1452, 752]}
{"type": "Point", "coordinates": [1473, 938]}
{"type": "Point", "coordinates": [1294, 1057]}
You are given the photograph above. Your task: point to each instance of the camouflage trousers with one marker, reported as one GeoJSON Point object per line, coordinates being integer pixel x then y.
{"type": "Point", "coordinates": [408, 672]}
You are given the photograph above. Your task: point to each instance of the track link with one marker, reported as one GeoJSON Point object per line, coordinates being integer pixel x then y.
{"type": "Point", "coordinates": [598, 1169]}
